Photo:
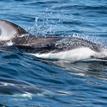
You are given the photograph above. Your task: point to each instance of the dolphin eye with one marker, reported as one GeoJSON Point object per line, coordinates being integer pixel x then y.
{"type": "Point", "coordinates": [92, 56]}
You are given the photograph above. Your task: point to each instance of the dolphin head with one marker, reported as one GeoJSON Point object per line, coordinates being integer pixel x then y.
{"type": "Point", "coordinates": [9, 30]}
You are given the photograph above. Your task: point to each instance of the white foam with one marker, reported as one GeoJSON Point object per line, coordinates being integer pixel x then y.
{"type": "Point", "coordinates": [9, 43]}
{"type": "Point", "coordinates": [27, 94]}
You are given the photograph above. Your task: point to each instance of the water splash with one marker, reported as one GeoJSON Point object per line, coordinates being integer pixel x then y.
{"type": "Point", "coordinates": [93, 38]}
{"type": "Point", "coordinates": [41, 27]}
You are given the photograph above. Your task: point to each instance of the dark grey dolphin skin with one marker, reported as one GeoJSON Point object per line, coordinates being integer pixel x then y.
{"type": "Point", "coordinates": [26, 42]}
{"type": "Point", "coordinates": [52, 44]}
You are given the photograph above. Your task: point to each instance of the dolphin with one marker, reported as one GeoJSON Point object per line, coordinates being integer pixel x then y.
{"type": "Point", "coordinates": [50, 47]}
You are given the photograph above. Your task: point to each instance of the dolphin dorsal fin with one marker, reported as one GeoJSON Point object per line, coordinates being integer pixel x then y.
{"type": "Point", "coordinates": [9, 30]}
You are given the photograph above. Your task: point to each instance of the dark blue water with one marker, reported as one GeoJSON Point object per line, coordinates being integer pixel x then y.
{"type": "Point", "coordinates": [26, 81]}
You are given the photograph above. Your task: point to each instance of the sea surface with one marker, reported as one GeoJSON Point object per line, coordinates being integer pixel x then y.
{"type": "Point", "coordinates": [26, 81]}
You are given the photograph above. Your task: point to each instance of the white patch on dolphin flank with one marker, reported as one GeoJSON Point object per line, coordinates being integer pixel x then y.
{"type": "Point", "coordinates": [69, 55]}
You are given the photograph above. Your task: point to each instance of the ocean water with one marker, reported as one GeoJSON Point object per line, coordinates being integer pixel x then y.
{"type": "Point", "coordinates": [26, 81]}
